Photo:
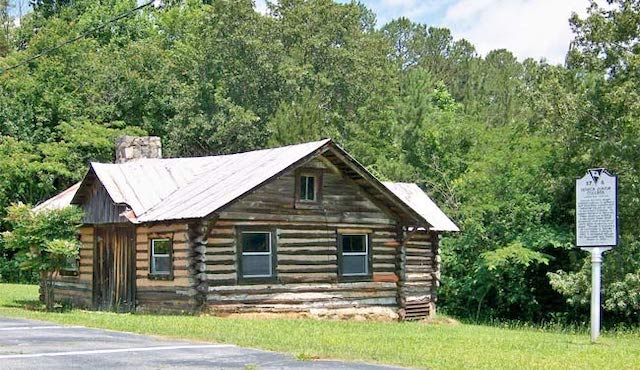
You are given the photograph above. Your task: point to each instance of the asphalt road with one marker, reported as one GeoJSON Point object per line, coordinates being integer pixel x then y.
{"type": "Point", "coordinates": [28, 344]}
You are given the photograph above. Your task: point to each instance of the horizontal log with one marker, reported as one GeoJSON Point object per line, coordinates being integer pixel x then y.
{"type": "Point", "coordinates": [221, 282]}
{"type": "Point", "coordinates": [284, 307]}
{"type": "Point", "coordinates": [220, 259]}
{"type": "Point", "coordinates": [293, 242]}
{"type": "Point", "coordinates": [144, 281]}
{"type": "Point", "coordinates": [298, 224]}
{"type": "Point", "coordinates": [307, 259]}
{"type": "Point", "coordinates": [300, 298]}
{"type": "Point", "coordinates": [212, 275]}
{"type": "Point", "coordinates": [307, 278]}
{"type": "Point", "coordinates": [307, 252]}
{"type": "Point", "coordinates": [291, 269]}
{"type": "Point", "coordinates": [309, 233]}
{"type": "Point", "coordinates": [221, 269]}
{"type": "Point", "coordinates": [213, 241]}
{"type": "Point", "coordinates": [354, 231]}
{"type": "Point", "coordinates": [344, 217]}
{"type": "Point", "coordinates": [78, 287]}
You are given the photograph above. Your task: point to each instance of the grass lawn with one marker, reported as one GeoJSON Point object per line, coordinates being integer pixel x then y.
{"type": "Point", "coordinates": [436, 346]}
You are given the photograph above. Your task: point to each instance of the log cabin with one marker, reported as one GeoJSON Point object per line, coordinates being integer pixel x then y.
{"type": "Point", "coordinates": [302, 228]}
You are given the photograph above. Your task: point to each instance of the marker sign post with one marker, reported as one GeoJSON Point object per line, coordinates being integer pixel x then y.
{"type": "Point", "coordinates": [596, 228]}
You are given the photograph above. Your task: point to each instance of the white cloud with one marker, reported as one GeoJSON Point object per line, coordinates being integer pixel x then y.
{"type": "Point", "coordinates": [528, 28]}
{"type": "Point", "coordinates": [261, 6]}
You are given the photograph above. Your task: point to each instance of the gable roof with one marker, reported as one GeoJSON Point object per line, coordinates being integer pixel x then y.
{"type": "Point", "coordinates": [417, 199]}
{"type": "Point", "coordinates": [193, 188]}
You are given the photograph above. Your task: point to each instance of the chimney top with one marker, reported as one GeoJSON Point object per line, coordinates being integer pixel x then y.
{"type": "Point", "coordinates": [130, 148]}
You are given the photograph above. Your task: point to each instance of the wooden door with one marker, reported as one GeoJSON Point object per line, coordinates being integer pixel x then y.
{"type": "Point", "coordinates": [114, 268]}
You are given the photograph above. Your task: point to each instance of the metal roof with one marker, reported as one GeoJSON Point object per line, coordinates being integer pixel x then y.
{"type": "Point", "coordinates": [190, 188]}
{"type": "Point", "coordinates": [59, 201]}
{"type": "Point", "coordinates": [193, 188]}
{"type": "Point", "coordinates": [225, 178]}
{"type": "Point", "coordinates": [419, 201]}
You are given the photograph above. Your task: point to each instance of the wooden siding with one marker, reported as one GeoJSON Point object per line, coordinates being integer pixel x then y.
{"type": "Point", "coordinates": [77, 290]}
{"type": "Point", "coordinates": [99, 207]}
{"type": "Point", "coordinates": [162, 295]}
{"type": "Point", "coordinates": [307, 260]}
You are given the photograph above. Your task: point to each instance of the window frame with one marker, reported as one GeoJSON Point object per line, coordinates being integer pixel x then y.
{"type": "Point", "coordinates": [154, 275]}
{"type": "Point", "coordinates": [317, 175]}
{"type": "Point", "coordinates": [64, 271]}
{"type": "Point", "coordinates": [368, 276]}
{"type": "Point", "coordinates": [273, 252]}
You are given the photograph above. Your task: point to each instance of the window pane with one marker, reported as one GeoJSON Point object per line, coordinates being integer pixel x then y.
{"type": "Point", "coordinates": [256, 265]}
{"type": "Point", "coordinates": [303, 187]}
{"type": "Point", "coordinates": [70, 264]}
{"type": "Point", "coordinates": [311, 184]}
{"type": "Point", "coordinates": [161, 246]}
{"type": "Point", "coordinates": [354, 243]}
{"type": "Point", "coordinates": [161, 265]}
{"type": "Point", "coordinates": [255, 242]}
{"type": "Point", "coordinates": [354, 265]}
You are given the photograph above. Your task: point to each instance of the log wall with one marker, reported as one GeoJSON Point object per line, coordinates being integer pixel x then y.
{"type": "Point", "coordinates": [307, 256]}
{"type": "Point", "coordinates": [418, 289]}
{"type": "Point", "coordinates": [170, 295]}
{"type": "Point", "coordinates": [77, 290]}
{"type": "Point", "coordinates": [405, 272]}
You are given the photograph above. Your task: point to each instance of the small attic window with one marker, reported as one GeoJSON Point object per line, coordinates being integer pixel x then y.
{"type": "Point", "coordinates": [308, 186]}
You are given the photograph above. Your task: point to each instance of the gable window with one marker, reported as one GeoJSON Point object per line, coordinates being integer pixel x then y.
{"type": "Point", "coordinates": [308, 187]}
{"type": "Point", "coordinates": [258, 256]}
{"type": "Point", "coordinates": [354, 256]}
{"type": "Point", "coordinates": [161, 264]}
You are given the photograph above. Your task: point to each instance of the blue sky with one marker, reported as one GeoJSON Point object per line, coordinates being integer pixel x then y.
{"type": "Point", "coordinates": [528, 28]}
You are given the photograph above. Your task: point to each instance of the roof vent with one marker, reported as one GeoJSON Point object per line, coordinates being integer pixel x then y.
{"type": "Point", "coordinates": [129, 148]}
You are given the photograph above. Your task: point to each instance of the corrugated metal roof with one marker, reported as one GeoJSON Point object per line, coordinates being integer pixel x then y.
{"type": "Point", "coordinates": [419, 201]}
{"type": "Point", "coordinates": [59, 201]}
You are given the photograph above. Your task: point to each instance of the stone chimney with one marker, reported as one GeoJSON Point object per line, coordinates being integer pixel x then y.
{"type": "Point", "coordinates": [130, 148]}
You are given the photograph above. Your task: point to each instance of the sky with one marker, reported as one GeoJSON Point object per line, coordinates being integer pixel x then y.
{"type": "Point", "coordinates": [536, 29]}
{"type": "Point", "coordinates": [528, 28]}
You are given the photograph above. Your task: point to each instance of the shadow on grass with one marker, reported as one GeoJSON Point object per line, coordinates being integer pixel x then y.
{"type": "Point", "coordinates": [36, 305]}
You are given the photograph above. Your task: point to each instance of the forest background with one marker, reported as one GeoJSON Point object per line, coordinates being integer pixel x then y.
{"type": "Point", "coordinates": [495, 141]}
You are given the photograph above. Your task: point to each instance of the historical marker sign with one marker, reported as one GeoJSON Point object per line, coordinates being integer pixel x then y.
{"type": "Point", "coordinates": [597, 209]}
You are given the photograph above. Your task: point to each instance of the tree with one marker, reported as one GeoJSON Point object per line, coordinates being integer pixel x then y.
{"type": "Point", "coordinates": [604, 62]}
{"type": "Point", "coordinates": [44, 241]}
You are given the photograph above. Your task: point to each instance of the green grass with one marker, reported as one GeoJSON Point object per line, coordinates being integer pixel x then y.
{"type": "Point", "coordinates": [436, 346]}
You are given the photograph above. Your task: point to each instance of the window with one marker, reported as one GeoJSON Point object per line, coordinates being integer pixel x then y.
{"type": "Point", "coordinates": [258, 257]}
{"type": "Point", "coordinates": [161, 261]}
{"type": "Point", "coordinates": [70, 267]}
{"type": "Point", "coordinates": [354, 255]}
{"type": "Point", "coordinates": [308, 187]}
